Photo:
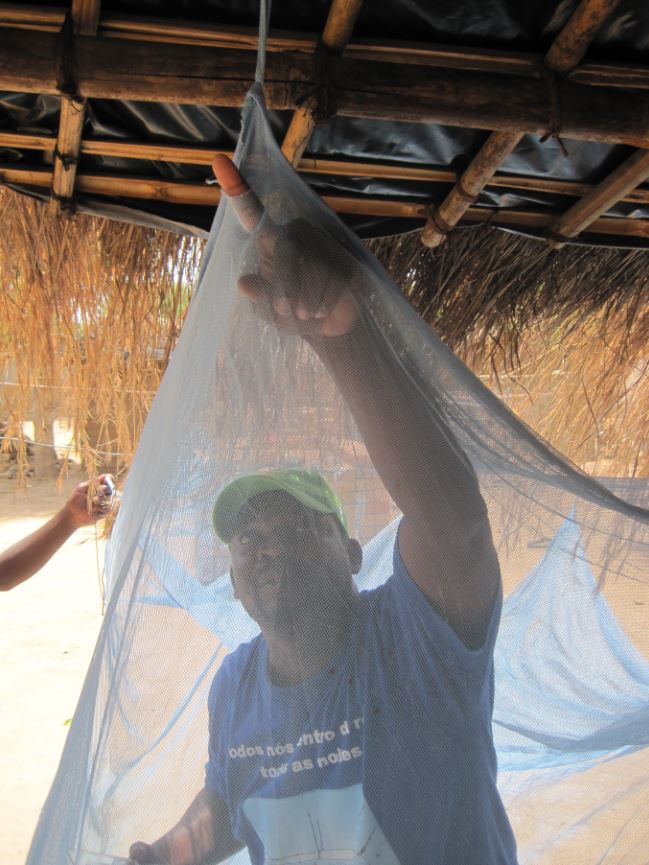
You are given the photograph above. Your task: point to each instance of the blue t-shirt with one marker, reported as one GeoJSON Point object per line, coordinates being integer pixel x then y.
{"type": "Point", "coordinates": [384, 757]}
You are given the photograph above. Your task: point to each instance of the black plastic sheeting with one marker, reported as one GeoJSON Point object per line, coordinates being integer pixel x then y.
{"type": "Point", "coordinates": [512, 25]}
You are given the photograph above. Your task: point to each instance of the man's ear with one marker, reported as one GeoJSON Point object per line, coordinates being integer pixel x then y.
{"type": "Point", "coordinates": [355, 553]}
{"type": "Point", "coordinates": [234, 583]}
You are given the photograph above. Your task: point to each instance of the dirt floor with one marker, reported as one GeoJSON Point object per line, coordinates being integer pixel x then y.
{"type": "Point", "coordinates": [48, 628]}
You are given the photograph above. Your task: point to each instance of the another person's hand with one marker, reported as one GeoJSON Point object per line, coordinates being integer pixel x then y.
{"type": "Point", "coordinates": [81, 512]}
{"type": "Point", "coordinates": [303, 281]}
{"type": "Point", "coordinates": [24, 558]}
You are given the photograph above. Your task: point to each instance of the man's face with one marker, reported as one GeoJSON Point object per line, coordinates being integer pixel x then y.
{"type": "Point", "coordinates": [291, 566]}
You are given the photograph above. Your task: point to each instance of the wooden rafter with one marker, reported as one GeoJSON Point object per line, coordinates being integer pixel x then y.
{"type": "Point", "coordinates": [565, 54]}
{"type": "Point", "coordinates": [85, 16]}
{"type": "Point", "coordinates": [465, 98]}
{"type": "Point", "coordinates": [568, 49]}
{"type": "Point", "coordinates": [377, 90]}
{"type": "Point", "coordinates": [335, 36]}
{"type": "Point", "coordinates": [614, 188]}
{"type": "Point", "coordinates": [123, 27]}
{"type": "Point", "coordinates": [178, 192]}
{"type": "Point", "coordinates": [196, 155]}
{"type": "Point", "coordinates": [618, 184]}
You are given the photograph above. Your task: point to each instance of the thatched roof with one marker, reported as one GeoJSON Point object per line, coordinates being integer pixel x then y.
{"type": "Point", "coordinates": [561, 335]}
{"type": "Point", "coordinates": [410, 114]}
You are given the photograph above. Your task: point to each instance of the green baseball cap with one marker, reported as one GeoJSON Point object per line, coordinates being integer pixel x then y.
{"type": "Point", "coordinates": [307, 486]}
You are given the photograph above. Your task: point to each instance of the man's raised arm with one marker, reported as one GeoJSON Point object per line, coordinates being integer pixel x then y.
{"type": "Point", "coordinates": [445, 538]}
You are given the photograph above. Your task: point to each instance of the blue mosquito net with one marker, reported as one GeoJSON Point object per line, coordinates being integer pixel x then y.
{"type": "Point", "coordinates": [306, 656]}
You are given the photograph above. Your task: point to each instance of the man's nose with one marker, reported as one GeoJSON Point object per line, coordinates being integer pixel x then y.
{"type": "Point", "coordinates": [269, 548]}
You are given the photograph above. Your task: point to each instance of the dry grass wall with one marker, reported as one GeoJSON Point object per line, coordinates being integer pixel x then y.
{"type": "Point", "coordinates": [90, 310]}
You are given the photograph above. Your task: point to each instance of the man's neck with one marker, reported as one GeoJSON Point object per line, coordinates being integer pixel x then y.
{"type": "Point", "coordinates": [309, 648]}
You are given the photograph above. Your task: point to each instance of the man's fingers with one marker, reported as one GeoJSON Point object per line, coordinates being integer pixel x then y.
{"type": "Point", "coordinates": [263, 293]}
{"type": "Point", "coordinates": [317, 299]}
{"type": "Point", "coordinates": [255, 287]}
{"type": "Point", "coordinates": [144, 854]}
{"type": "Point", "coordinates": [228, 176]}
{"type": "Point", "coordinates": [272, 305]}
{"type": "Point", "coordinates": [246, 205]}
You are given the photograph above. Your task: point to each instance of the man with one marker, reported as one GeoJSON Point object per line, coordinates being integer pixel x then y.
{"type": "Point", "coordinates": [357, 726]}
{"type": "Point", "coordinates": [26, 557]}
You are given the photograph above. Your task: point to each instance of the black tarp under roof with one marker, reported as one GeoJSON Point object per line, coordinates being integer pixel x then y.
{"type": "Point", "coordinates": [494, 25]}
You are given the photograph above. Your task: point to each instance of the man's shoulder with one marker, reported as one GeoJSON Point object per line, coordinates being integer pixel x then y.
{"type": "Point", "coordinates": [390, 580]}
{"type": "Point", "coordinates": [237, 665]}
{"type": "Point", "coordinates": [239, 660]}
{"type": "Point", "coordinates": [376, 613]}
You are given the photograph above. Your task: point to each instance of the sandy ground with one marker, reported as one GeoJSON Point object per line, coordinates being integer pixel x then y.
{"type": "Point", "coordinates": [48, 628]}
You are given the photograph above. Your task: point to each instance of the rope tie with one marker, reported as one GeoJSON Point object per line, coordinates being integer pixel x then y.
{"type": "Point", "coordinates": [321, 98]}
{"type": "Point", "coordinates": [554, 126]}
{"type": "Point", "coordinates": [440, 223]}
{"type": "Point", "coordinates": [67, 159]}
{"type": "Point", "coordinates": [67, 205]}
{"type": "Point", "coordinates": [461, 192]}
{"type": "Point", "coordinates": [557, 237]}
{"type": "Point", "coordinates": [66, 63]}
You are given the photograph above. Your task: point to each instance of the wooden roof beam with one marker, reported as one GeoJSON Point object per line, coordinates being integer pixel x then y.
{"type": "Point", "coordinates": [614, 188]}
{"type": "Point", "coordinates": [178, 192]}
{"type": "Point", "coordinates": [385, 91]}
{"type": "Point", "coordinates": [178, 32]}
{"type": "Point", "coordinates": [335, 36]}
{"type": "Point", "coordinates": [85, 17]}
{"type": "Point", "coordinates": [196, 155]}
{"type": "Point", "coordinates": [625, 178]}
{"type": "Point", "coordinates": [564, 54]}
{"type": "Point", "coordinates": [31, 15]}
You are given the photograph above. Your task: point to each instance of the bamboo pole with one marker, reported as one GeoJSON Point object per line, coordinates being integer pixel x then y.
{"type": "Point", "coordinates": [27, 141]}
{"type": "Point", "coordinates": [570, 46]}
{"type": "Point", "coordinates": [564, 54]}
{"type": "Point", "coordinates": [26, 13]}
{"type": "Point", "coordinates": [484, 165]}
{"type": "Point", "coordinates": [224, 36]}
{"type": "Point", "coordinates": [178, 192]}
{"type": "Point", "coordinates": [336, 34]}
{"type": "Point", "coordinates": [201, 76]}
{"type": "Point", "coordinates": [85, 15]}
{"type": "Point", "coordinates": [629, 175]}
{"type": "Point", "coordinates": [113, 26]}
{"type": "Point", "coordinates": [196, 155]}
{"type": "Point", "coordinates": [614, 188]}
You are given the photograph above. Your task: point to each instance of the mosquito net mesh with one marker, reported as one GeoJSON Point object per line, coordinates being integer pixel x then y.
{"type": "Point", "coordinates": [305, 591]}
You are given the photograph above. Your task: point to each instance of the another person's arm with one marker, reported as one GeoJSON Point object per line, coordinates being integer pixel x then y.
{"type": "Point", "coordinates": [202, 836]}
{"type": "Point", "coordinates": [24, 558]}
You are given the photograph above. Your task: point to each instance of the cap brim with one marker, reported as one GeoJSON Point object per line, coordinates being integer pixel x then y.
{"type": "Point", "coordinates": [234, 497]}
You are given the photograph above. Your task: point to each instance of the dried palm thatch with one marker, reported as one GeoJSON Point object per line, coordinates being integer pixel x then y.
{"type": "Point", "coordinates": [562, 335]}
{"type": "Point", "coordinates": [89, 313]}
